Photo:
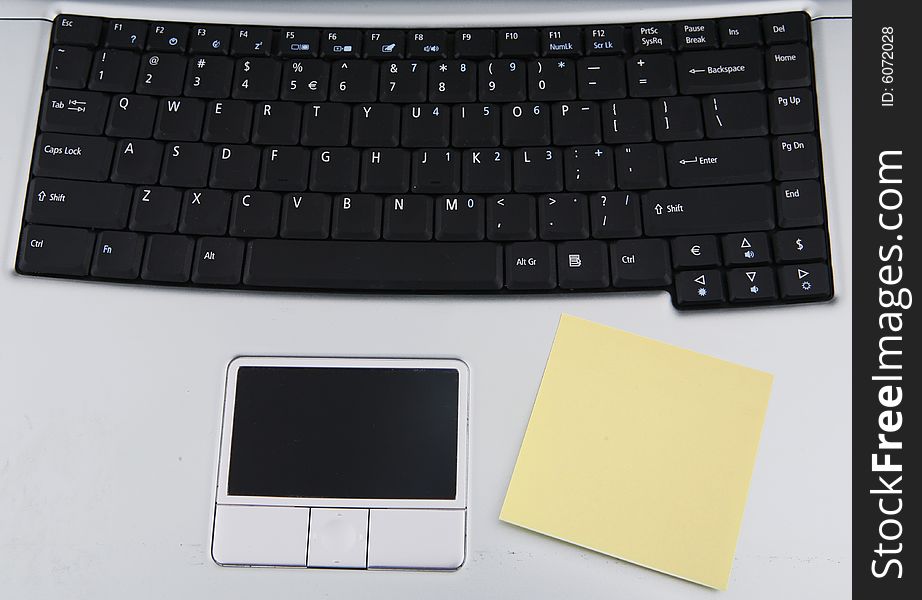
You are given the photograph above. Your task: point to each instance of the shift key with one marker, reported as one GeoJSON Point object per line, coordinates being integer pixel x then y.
{"type": "Point", "coordinates": [78, 203]}
{"type": "Point", "coordinates": [708, 210]}
{"type": "Point", "coordinates": [72, 156]}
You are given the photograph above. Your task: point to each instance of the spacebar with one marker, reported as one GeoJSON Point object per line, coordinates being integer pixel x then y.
{"type": "Point", "coordinates": [420, 266]}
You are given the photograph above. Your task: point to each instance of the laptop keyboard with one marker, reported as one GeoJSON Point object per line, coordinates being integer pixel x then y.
{"type": "Point", "coordinates": [655, 156]}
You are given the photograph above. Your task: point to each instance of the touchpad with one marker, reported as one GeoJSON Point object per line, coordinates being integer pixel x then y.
{"type": "Point", "coordinates": [343, 463]}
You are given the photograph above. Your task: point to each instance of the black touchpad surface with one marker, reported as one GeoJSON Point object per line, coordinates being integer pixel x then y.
{"type": "Point", "coordinates": [319, 432]}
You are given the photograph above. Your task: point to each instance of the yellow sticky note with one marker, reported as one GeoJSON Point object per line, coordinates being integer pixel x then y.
{"type": "Point", "coordinates": [640, 450]}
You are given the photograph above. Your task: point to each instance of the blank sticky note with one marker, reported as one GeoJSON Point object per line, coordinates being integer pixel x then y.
{"type": "Point", "coordinates": [640, 450]}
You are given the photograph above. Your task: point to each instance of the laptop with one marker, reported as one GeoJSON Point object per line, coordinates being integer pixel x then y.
{"type": "Point", "coordinates": [279, 281]}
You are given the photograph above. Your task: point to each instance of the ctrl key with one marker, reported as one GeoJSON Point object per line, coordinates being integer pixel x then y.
{"type": "Point", "coordinates": [55, 250]}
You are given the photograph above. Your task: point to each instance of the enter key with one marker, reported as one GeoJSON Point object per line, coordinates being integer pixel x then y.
{"type": "Point", "coordinates": [718, 162]}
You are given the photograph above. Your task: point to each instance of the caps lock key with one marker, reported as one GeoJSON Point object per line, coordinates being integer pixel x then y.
{"type": "Point", "coordinates": [72, 157]}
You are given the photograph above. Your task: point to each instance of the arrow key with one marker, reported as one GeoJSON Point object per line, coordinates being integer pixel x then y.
{"type": "Point", "coordinates": [805, 281]}
{"type": "Point", "coordinates": [699, 287]}
{"type": "Point", "coordinates": [746, 249]}
{"type": "Point", "coordinates": [752, 284]}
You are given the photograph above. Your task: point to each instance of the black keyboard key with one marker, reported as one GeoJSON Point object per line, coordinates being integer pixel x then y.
{"type": "Point", "coordinates": [128, 35]}
{"type": "Point", "coordinates": [234, 167]}
{"type": "Point", "coordinates": [341, 43]}
{"type": "Point", "coordinates": [695, 251]}
{"type": "Point", "coordinates": [354, 81]}
{"type": "Point", "coordinates": [357, 217]}
{"type": "Point", "coordinates": [563, 217]}
{"type": "Point", "coordinates": [384, 43]}
{"type": "Point", "coordinates": [735, 115]}
{"type": "Point", "coordinates": [531, 266]}
{"type": "Point", "coordinates": [652, 37]}
{"type": "Point", "coordinates": [420, 266]}
{"type": "Point", "coordinates": [72, 156]}
{"type": "Point", "coordinates": [209, 77]}
{"type": "Point", "coordinates": [583, 265]}
{"type": "Point", "coordinates": [68, 67]}
{"type": "Point", "coordinates": [251, 41]}
{"type": "Point", "coordinates": [436, 171]}
{"type": "Point", "coordinates": [429, 43]}
{"type": "Point", "coordinates": [77, 203]}
{"type": "Point", "coordinates": [788, 66]}
{"type": "Point", "coordinates": [204, 212]}
{"type": "Point", "coordinates": [501, 80]}
{"type": "Point", "coordinates": [180, 119]}
{"type": "Point", "coordinates": [552, 79]}
{"type": "Point", "coordinates": [155, 209]}
{"type": "Point", "coordinates": [276, 123]}
{"type": "Point", "coordinates": [403, 81]}
{"type": "Point", "coordinates": [804, 281]}
{"type": "Point", "coordinates": [284, 169]}
{"type": "Point", "coordinates": [739, 31]}
{"type": "Point", "coordinates": [716, 162]}
{"type": "Point", "coordinates": [606, 39]}
{"type": "Point", "coordinates": [640, 263]}
{"type": "Point", "coordinates": [185, 164]}
{"type": "Point", "coordinates": [720, 71]}
{"type": "Point", "coordinates": [783, 28]}
{"type": "Point", "coordinates": [325, 125]}
{"type": "Point", "coordinates": [131, 116]}
{"type": "Point", "coordinates": [66, 111]}
{"type": "Point", "coordinates": [511, 217]}
{"type": "Point", "coordinates": [453, 81]}
{"type": "Point", "coordinates": [696, 35]}
{"type": "Point", "coordinates": [228, 122]}
{"type": "Point", "coordinates": [677, 119]}
{"type": "Point", "coordinates": [209, 39]}
{"type": "Point", "coordinates": [651, 75]}
{"type": "Point", "coordinates": [708, 210]}
{"type": "Point", "coordinates": [517, 42]}
{"type": "Point", "coordinates": [800, 245]}
{"type": "Point", "coordinates": [47, 250]}
{"type": "Point", "coordinates": [137, 161]}
{"type": "Point", "coordinates": [792, 111]}
{"type": "Point", "coordinates": [526, 124]}
{"type": "Point", "coordinates": [746, 249]}
{"type": "Point", "coordinates": [255, 214]}
{"type": "Point", "coordinates": [640, 167]}
{"type": "Point", "coordinates": [167, 37]}
{"type": "Point", "coordinates": [756, 284]}
{"type": "Point", "coordinates": [475, 125]}
{"type": "Point", "coordinates": [299, 42]}
{"type": "Point", "coordinates": [577, 123]}
{"type": "Point", "coordinates": [487, 170]}
{"type": "Point", "coordinates": [588, 168]}
{"type": "Point", "coordinates": [118, 255]}
{"type": "Point", "coordinates": [385, 170]}
{"type": "Point", "coordinates": [601, 78]}
{"type": "Point", "coordinates": [425, 125]}
{"type": "Point", "coordinates": [161, 74]}
{"type": "Point", "coordinates": [699, 287]}
{"type": "Point", "coordinates": [799, 203]}
{"type": "Point", "coordinates": [538, 170]}
{"type": "Point", "coordinates": [796, 157]}
{"type": "Point", "coordinates": [474, 43]}
{"type": "Point", "coordinates": [305, 80]}
{"type": "Point", "coordinates": [334, 170]}
{"type": "Point", "coordinates": [615, 215]}
{"type": "Point", "coordinates": [626, 121]}
{"type": "Point", "coordinates": [305, 216]}
{"type": "Point", "coordinates": [459, 218]}
{"type": "Point", "coordinates": [168, 258]}
{"type": "Point", "coordinates": [256, 79]}
{"type": "Point", "coordinates": [407, 218]}
{"type": "Point", "coordinates": [218, 261]}
{"type": "Point", "coordinates": [76, 30]}
{"type": "Point", "coordinates": [561, 41]}
{"type": "Point", "coordinates": [114, 71]}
